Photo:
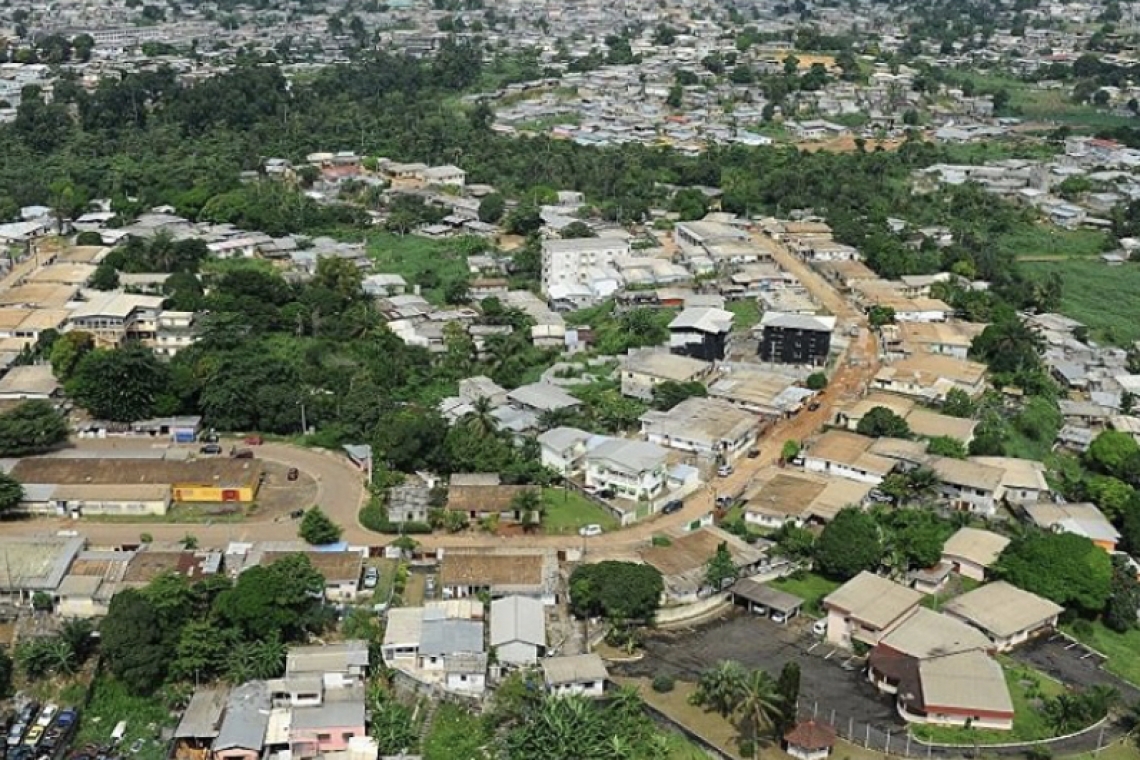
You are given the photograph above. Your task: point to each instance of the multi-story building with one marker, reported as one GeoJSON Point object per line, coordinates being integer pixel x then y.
{"type": "Point", "coordinates": [795, 338]}
{"type": "Point", "coordinates": [580, 261]}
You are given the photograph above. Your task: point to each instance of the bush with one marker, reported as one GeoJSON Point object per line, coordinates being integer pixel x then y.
{"type": "Point", "coordinates": [816, 381]}
{"type": "Point", "coordinates": [663, 684]}
{"type": "Point", "coordinates": [662, 541]}
{"type": "Point", "coordinates": [89, 238]}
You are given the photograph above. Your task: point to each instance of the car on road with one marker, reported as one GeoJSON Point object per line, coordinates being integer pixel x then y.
{"type": "Point", "coordinates": [819, 627]}
{"type": "Point", "coordinates": [211, 448]}
{"type": "Point", "coordinates": [753, 453]}
{"type": "Point", "coordinates": [593, 529]}
{"type": "Point", "coordinates": [725, 470]}
{"type": "Point", "coordinates": [672, 506]}
{"type": "Point", "coordinates": [371, 577]}
{"type": "Point", "coordinates": [241, 453]}
{"type": "Point", "coordinates": [293, 474]}
{"type": "Point", "coordinates": [813, 406]}
{"type": "Point", "coordinates": [297, 514]}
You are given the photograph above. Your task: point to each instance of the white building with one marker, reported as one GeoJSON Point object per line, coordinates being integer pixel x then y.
{"type": "Point", "coordinates": [583, 674]}
{"type": "Point", "coordinates": [581, 261]}
{"type": "Point", "coordinates": [631, 469]}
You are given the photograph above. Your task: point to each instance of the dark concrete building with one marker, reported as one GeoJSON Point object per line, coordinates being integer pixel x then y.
{"type": "Point", "coordinates": [701, 333]}
{"type": "Point", "coordinates": [795, 338]}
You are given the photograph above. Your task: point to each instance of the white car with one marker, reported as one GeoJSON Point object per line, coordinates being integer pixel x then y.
{"type": "Point", "coordinates": [778, 617]}
{"type": "Point", "coordinates": [371, 577]}
{"type": "Point", "coordinates": [724, 470]}
{"type": "Point", "coordinates": [819, 627]}
{"type": "Point", "coordinates": [593, 529]}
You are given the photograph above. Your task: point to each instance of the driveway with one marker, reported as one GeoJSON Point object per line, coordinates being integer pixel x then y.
{"type": "Point", "coordinates": [1073, 664]}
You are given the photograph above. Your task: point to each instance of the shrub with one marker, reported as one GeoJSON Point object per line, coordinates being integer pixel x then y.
{"type": "Point", "coordinates": [662, 541]}
{"type": "Point", "coordinates": [89, 238]}
{"type": "Point", "coordinates": [663, 684]}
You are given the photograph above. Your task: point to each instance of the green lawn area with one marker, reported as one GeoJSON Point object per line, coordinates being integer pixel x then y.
{"type": "Point", "coordinates": [455, 734]}
{"type": "Point", "coordinates": [1026, 686]}
{"type": "Point", "coordinates": [1032, 104]}
{"type": "Point", "coordinates": [111, 703]}
{"type": "Point", "coordinates": [1047, 240]}
{"type": "Point", "coordinates": [567, 510]}
{"type": "Point", "coordinates": [810, 587]}
{"type": "Point", "coordinates": [416, 259]}
{"type": "Point", "coordinates": [1100, 296]}
{"type": "Point", "coordinates": [745, 314]}
{"type": "Point", "coordinates": [1122, 649]}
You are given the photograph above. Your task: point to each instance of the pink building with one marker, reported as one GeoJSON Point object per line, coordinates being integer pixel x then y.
{"type": "Point", "coordinates": [328, 728]}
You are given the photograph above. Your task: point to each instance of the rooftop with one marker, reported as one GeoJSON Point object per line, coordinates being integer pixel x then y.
{"type": "Point", "coordinates": [1002, 609]}
{"type": "Point", "coordinates": [849, 449]}
{"type": "Point", "coordinates": [29, 379]}
{"type": "Point", "coordinates": [36, 563]}
{"type": "Point", "coordinates": [665, 365]}
{"type": "Point", "coordinates": [930, 634]}
{"type": "Point", "coordinates": [490, 498]}
{"type": "Point", "coordinates": [517, 618]}
{"type": "Point", "coordinates": [218, 472]}
{"type": "Point", "coordinates": [480, 569]}
{"type": "Point", "coordinates": [968, 681]}
{"type": "Point", "coordinates": [981, 547]}
{"type": "Point", "coordinates": [873, 600]}
{"type": "Point", "coordinates": [579, 668]}
{"type": "Point", "coordinates": [703, 320]}
{"type": "Point", "coordinates": [708, 419]}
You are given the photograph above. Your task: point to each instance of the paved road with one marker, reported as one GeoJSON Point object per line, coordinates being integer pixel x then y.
{"type": "Point", "coordinates": [342, 491]}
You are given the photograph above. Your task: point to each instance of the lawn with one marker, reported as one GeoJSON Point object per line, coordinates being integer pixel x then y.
{"type": "Point", "coordinates": [1047, 240]}
{"type": "Point", "coordinates": [1100, 296]}
{"type": "Point", "coordinates": [111, 703]}
{"type": "Point", "coordinates": [456, 734]}
{"type": "Point", "coordinates": [745, 314]}
{"type": "Point", "coordinates": [568, 510]}
{"type": "Point", "coordinates": [432, 263]}
{"type": "Point", "coordinates": [1120, 648]}
{"type": "Point", "coordinates": [1033, 104]}
{"type": "Point", "coordinates": [1026, 687]}
{"type": "Point", "coordinates": [810, 587]}
{"type": "Point", "coordinates": [675, 704]}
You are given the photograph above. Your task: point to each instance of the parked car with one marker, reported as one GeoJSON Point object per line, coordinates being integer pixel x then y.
{"type": "Point", "coordinates": [297, 514]}
{"type": "Point", "coordinates": [28, 712]}
{"type": "Point", "coordinates": [211, 448]}
{"type": "Point", "coordinates": [819, 627]}
{"type": "Point", "coordinates": [16, 733]}
{"type": "Point", "coordinates": [66, 718]}
{"type": "Point", "coordinates": [293, 474]}
{"type": "Point", "coordinates": [725, 470]}
{"type": "Point", "coordinates": [813, 406]}
{"type": "Point", "coordinates": [778, 617]}
{"type": "Point", "coordinates": [253, 440]}
{"type": "Point", "coordinates": [211, 437]}
{"type": "Point", "coordinates": [607, 493]}
{"type": "Point", "coordinates": [672, 506]}
{"type": "Point", "coordinates": [32, 738]}
{"type": "Point", "coordinates": [753, 453]}
{"type": "Point", "coordinates": [593, 529]}
{"type": "Point", "coordinates": [371, 577]}
{"type": "Point", "coordinates": [241, 453]}
{"type": "Point", "coordinates": [47, 714]}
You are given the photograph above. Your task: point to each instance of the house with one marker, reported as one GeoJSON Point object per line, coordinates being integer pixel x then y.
{"type": "Point", "coordinates": [795, 338]}
{"type": "Point", "coordinates": [410, 501]}
{"type": "Point", "coordinates": [341, 570]}
{"type": "Point", "coordinates": [580, 674]}
{"type": "Point", "coordinates": [866, 608]}
{"type": "Point", "coordinates": [241, 735]}
{"type": "Point", "coordinates": [684, 562]}
{"type": "Point", "coordinates": [29, 382]}
{"type": "Point", "coordinates": [323, 729]}
{"type": "Point", "coordinates": [198, 727]}
{"type": "Point", "coordinates": [583, 261]}
{"type": "Point", "coordinates": [810, 740]}
{"type": "Point", "coordinates": [847, 455]}
{"type": "Point", "coordinates": [445, 175]}
{"type": "Point", "coordinates": [541, 397]}
{"type": "Point", "coordinates": [930, 377]}
{"type": "Point", "coordinates": [971, 552]}
{"type": "Point", "coordinates": [464, 574]}
{"type": "Point", "coordinates": [708, 427]}
{"type": "Point", "coordinates": [1083, 519]}
{"type": "Point", "coordinates": [479, 501]}
{"type": "Point", "coordinates": [767, 394]}
{"type": "Point", "coordinates": [799, 498]}
{"type": "Point", "coordinates": [925, 634]}
{"type": "Point", "coordinates": [563, 449]}
{"type": "Point", "coordinates": [340, 665]}
{"type": "Point", "coordinates": [942, 338]}
{"type": "Point", "coordinates": [701, 333]}
{"type": "Point", "coordinates": [114, 316]}
{"type": "Point", "coordinates": [962, 689]}
{"type": "Point", "coordinates": [518, 630]}
{"type": "Point", "coordinates": [631, 469]}
{"type": "Point", "coordinates": [642, 371]}
{"type": "Point", "coordinates": [1005, 613]}
{"type": "Point", "coordinates": [35, 564]}
{"type": "Point", "coordinates": [1023, 480]}
{"type": "Point", "coordinates": [968, 485]}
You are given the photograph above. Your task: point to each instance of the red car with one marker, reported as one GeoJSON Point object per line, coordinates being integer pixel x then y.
{"type": "Point", "coordinates": [253, 440]}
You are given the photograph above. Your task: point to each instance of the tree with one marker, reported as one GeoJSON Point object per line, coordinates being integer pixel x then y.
{"type": "Point", "coordinates": [524, 220]}
{"type": "Point", "coordinates": [788, 687]}
{"type": "Point", "coordinates": [816, 381]}
{"type": "Point", "coordinates": [529, 507]}
{"type": "Point", "coordinates": [105, 277]}
{"type": "Point", "coordinates": [881, 422]}
{"type": "Point", "coordinates": [945, 446]}
{"type": "Point", "coordinates": [202, 651]}
{"type": "Point", "coordinates": [1110, 450]}
{"type": "Point", "coordinates": [577, 229]}
{"type": "Point", "coordinates": [1068, 569]}
{"type": "Point", "coordinates": [958, 404]}
{"type": "Point", "coordinates": [120, 384]}
{"type": "Point", "coordinates": [675, 97]}
{"type": "Point", "coordinates": [849, 544]}
{"type": "Point", "coordinates": [492, 208]}
{"type": "Point", "coordinates": [11, 493]}
{"type": "Point", "coordinates": [720, 688]}
{"type": "Point", "coordinates": [1124, 597]}
{"type": "Point", "coordinates": [131, 642]}
{"type": "Point", "coordinates": [668, 394]}
{"type": "Point", "coordinates": [689, 203]}
{"type": "Point", "coordinates": [282, 599]}
{"type": "Point", "coordinates": [317, 529]}
{"type": "Point", "coordinates": [616, 590]}
{"type": "Point", "coordinates": [879, 316]}
{"type": "Point", "coordinates": [5, 675]}
{"type": "Point", "coordinates": [67, 351]}
{"type": "Point", "coordinates": [790, 450]}
{"type": "Point", "coordinates": [761, 704]}
{"type": "Point", "coordinates": [720, 568]}
{"type": "Point", "coordinates": [33, 427]}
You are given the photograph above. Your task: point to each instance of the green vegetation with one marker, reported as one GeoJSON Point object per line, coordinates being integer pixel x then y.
{"type": "Point", "coordinates": [1046, 240]}
{"type": "Point", "coordinates": [809, 586]}
{"type": "Point", "coordinates": [111, 703]}
{"type": "Point", "coordinates": [1089, 285]}
{"type": "Point", "coordinates": [1027, 687]}
{"type": "Point", "coordinates": [547, 122]}
{"type": "Point", "coordinates": [1119, 648]}
{"type": "Point", "coordinates": [432, 264]}
{"type": "Point", "coordinates": [745, 314]}
{"type": "Point", "coordinates": [566, 510]}
{"type": "Point", "coordinates": [456, 734]}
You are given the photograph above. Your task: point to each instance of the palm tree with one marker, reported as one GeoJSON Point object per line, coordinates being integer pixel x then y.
{"type": "Point", "coordinates": [760, 703]}
{"type": "Point", "coordinates": [720, 689]}
{"type": "Point", "coordinates": [479, 421]}
{"type": "Point", "coordinates": [59, 656]}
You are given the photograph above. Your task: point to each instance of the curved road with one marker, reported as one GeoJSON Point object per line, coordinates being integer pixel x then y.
{"type": "Point", "coordinates": [341, 489]}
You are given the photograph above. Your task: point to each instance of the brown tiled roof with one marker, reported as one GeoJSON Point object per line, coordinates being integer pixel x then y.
{"type": "Point", "coordinates": [491, 569]}
{"type": "Point", "coordinates": [484, 498]}
{"type": "Point", "coordinates": [333, 566]}
{"type": "Point", "coordinates": [811, 735]}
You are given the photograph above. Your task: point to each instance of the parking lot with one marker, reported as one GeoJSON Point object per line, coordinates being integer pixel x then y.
{"type": "Point", "coordinates": [830, 678]}
{"type": "Point", "coordinates": [1073, 664]}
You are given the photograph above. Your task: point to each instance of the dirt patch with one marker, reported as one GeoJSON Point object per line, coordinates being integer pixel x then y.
{"type": "Point", "coordinates": [675, 704]}
{"type": "Point", "coordinates": [847, 145]}
{"type": "Point", "coordinates": [279, 496]}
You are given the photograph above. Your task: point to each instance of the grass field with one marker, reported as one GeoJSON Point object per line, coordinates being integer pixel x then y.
{"type": "Point", "coordinates": [745, 314]}
{"type": "Point", "coordinates": [810, 587]}
{"type": "Point", "coordinates": [1047, 240]}
{"type": "Point", "coordinates": [111, 703]}
{"type": "Point", "coordinates": [1026, 687]}
{"type": "Point", "coordinates": [456, 734]}
{"type": "Point", "coordinates": [1100, 296]}
{"type": "Point", "coordinates": [416, 259]}
{"type": "Point", "coordinates": [566, 511]}
{"type": "Point", "coordinates": [1120, 648]}
{"type": "Point", "coordinates": [1032, 104]}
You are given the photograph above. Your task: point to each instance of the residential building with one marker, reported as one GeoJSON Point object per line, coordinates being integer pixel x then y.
{"type": "Point", "coordinates": [518, 630]}
{"type": "Point", "coordinates": [930, 377]}
{"type": "Point", "coordinates": [241, 735]}
{"type": "Point", "coordinates": [866, 608]}
{"type": "Point", "coordinates": [479, 501]}
{"type": "Point", "coordinates": [962, 689]}
{"type": "Point", "coordinates": [787, 496]}
{"type": "Point", "coordinates": [35, 564]}
{"type": "Point", "coordinates": [971, 552]}
{"type": "Point", "coordinates": [339, 666]}
{"type": "Point", "coordinates": [563, 449]}
{"type": "Point", "coordinates": [174, 332]}
{"type": "Point", "coordinates": [925, 634]}
{"type": "Point", "coordinates": [847, 455]}
{"type": "Point", "coordinates": [795, 338]}
{"type": "Point", "coordinates": [642, 371]}
{"type": "Point", "coordinates": [541, 397]}
{"type": "Point", "coordinates": [582, 261]}
{"type": "Point", "coordinates": [1005, 613]}
{"type": "Point", "coordinates": [446, 175]}
{"type": "Point", "coordinates": [1022, 481]}
{"type": "Point", "coordinates": [1082, 519]}
{"type": "Point", "coordinates": [968, 485]}
{"type": "Point", "coordinates": [708, 427]}
{"type": "Point", "coordinates": [701, 333]}
{"type": "Point", "coordinates": [29, 382]}
{"type": "Point", "coordinates": [684, 563]}
{"type": "Point", "coordinates": [631, 469]}
{"type": "Point", "coordinates": [464, 574]}
{"type": "Point", "coordinates": [115, 316]}
{"type": "Point", "coordinates": [580, 674]}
